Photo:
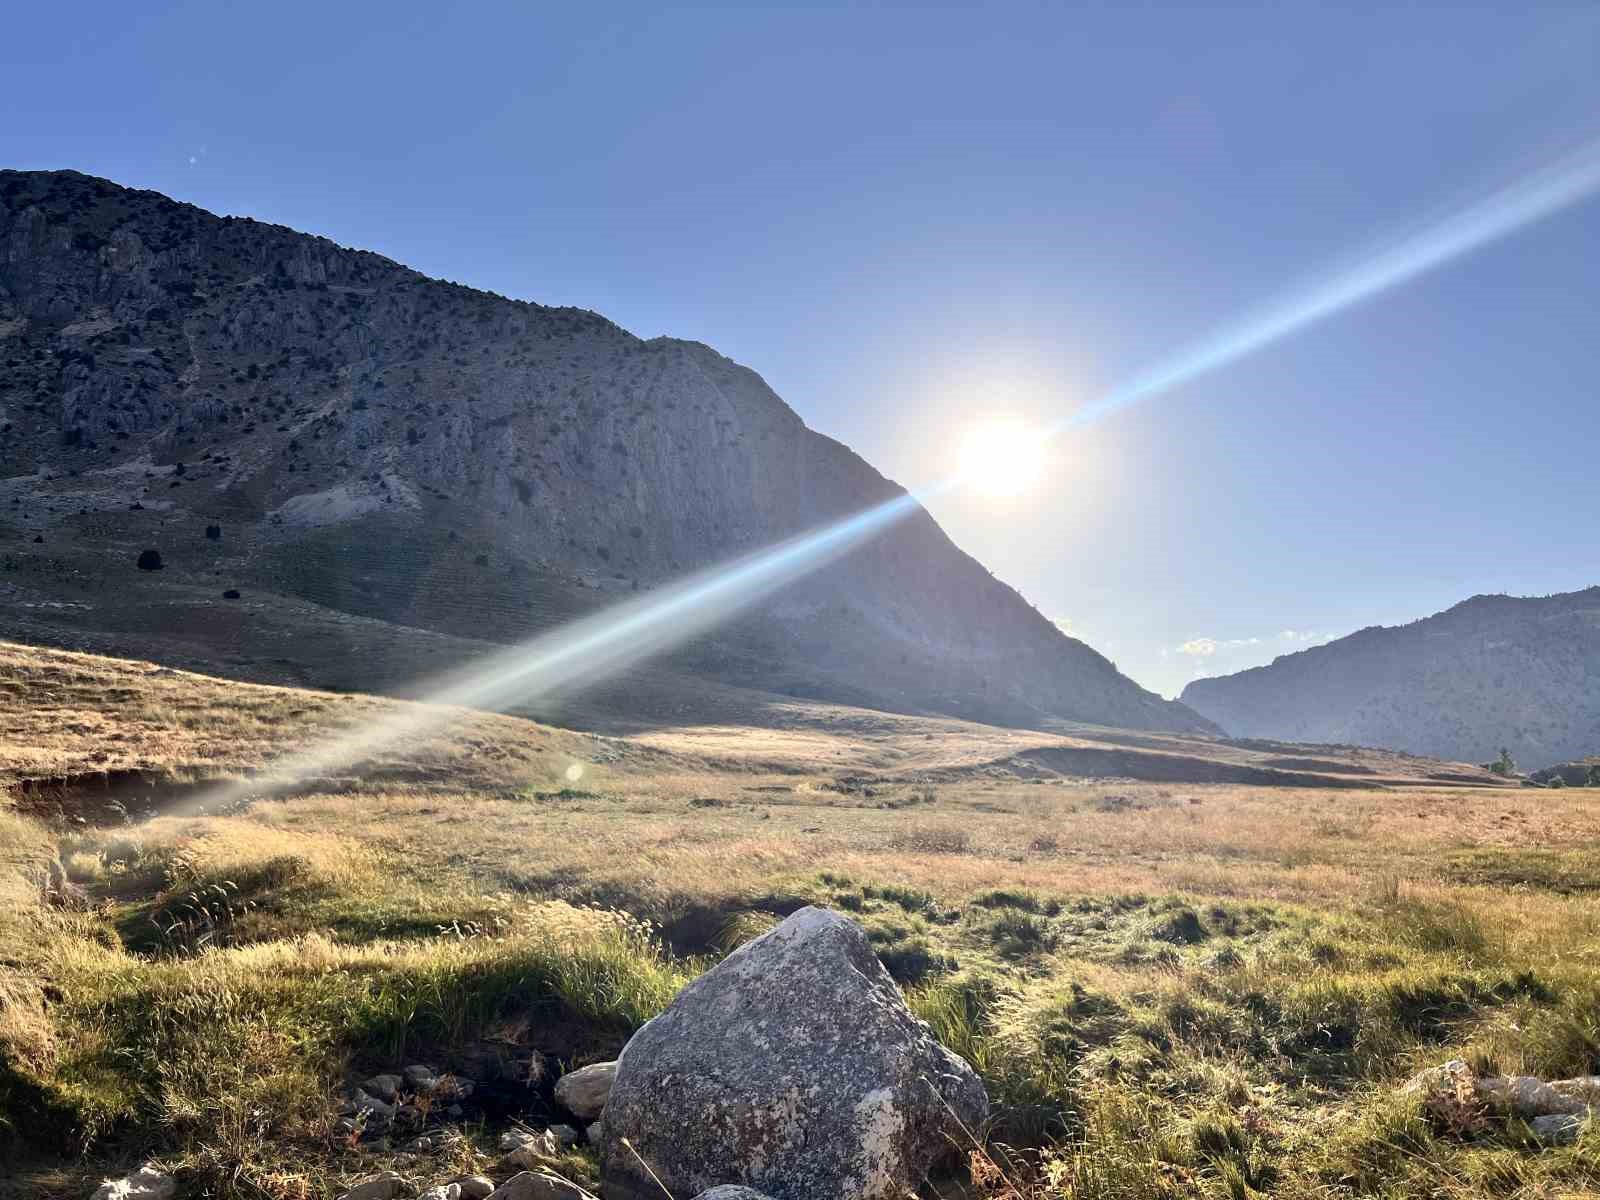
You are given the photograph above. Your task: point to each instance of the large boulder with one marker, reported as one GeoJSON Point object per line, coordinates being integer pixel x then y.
{"type": "Point", "coordinates": [794, 1067]}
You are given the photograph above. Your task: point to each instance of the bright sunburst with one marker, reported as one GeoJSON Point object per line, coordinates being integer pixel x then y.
{"type": "Point", "coordinates": [1001, 457]}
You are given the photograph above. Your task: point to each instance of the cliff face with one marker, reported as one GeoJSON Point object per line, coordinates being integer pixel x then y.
{"type": "Point", "coordinates": [1492, 672]}
{"type": "Point", "coordinates": [415, 452]}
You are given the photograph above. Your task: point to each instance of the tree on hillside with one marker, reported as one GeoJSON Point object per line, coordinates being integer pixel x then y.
{"type": "Point", "coordinates": [1557, 780]}
{"type": "Point", "coordinates": [1504, 765]}
{"type": "Point", "coordinates": [1594, 776]}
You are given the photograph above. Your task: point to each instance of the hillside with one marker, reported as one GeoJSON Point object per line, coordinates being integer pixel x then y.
{"type": "Point", "coordinates": [1492, 672]}
{"type": "Point", "coordinates": [393, 472]}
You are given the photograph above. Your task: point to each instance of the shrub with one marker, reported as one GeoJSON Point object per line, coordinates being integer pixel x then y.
{"type": "Point", "coordinates": [150, 560]}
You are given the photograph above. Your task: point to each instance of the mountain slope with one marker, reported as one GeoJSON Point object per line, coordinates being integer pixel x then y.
{"type": "Point", "coordinates": [374, 446]}
{"type": "Point", "coordinates": [1492, 672]}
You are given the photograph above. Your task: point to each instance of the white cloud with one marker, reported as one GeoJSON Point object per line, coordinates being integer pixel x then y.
{"type": "Point", "coordinates": [1205, 647]}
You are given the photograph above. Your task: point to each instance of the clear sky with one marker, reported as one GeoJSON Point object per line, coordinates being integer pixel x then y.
{"type": "Point", "coordinates": [910, 219]}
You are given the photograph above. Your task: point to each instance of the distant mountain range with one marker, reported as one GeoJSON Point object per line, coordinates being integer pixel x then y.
{"type": "Point", "coordinates": [352, 474]}
{"type": "Point", "coordinates": [1492, 672]}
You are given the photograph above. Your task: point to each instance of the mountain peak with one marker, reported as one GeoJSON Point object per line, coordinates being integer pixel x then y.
{"type": "Point", "coordinates": [1491, 671]}
{"type": "Point", "coordinates": [377, 446]}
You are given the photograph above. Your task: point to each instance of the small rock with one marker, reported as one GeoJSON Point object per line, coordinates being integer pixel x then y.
{"type": "Point", "coordinates": [475, 1187]}
{"type": "Point", "coordinates": [1584, 1087]}
{"type": "Point", "coordinates": [592, 1134]}
{"type": "Point", "coordinates": [421, 1079]}
{"type": "Point", "coordinates": [371, 1104]}
{"type": "Point", "coordinates": [384, 1087]}
{"type": "Point", "coordinates": [1558, 1128]}
{"type": "Point", "coordinates": [583, 1092]}
{"type": "Point", "coordinates": [539, 1185]}
{"type": "Point", "coordinates": [565, 1135]}
{"type": "Point", "coordinates": [1452, 1076]}
{"type": "Point", "coordinates": [445, 1191]}
{"type": "Point", "coordinates": [1528, 1097]}
{"type": "Point", "coordinates": [381, 1187]}
{"type": "Point", "coordinates": [529, 1150]}
{"type": "Point", "coordinates": [732, 1191]}
{"type": "Point", "coordinates": [146, 1183]}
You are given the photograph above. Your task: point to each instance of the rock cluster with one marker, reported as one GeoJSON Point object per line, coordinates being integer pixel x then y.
{"type": "Point", "coordinates": [1465, 1102]}
{"type": "Point", "coordinates": [408, 1101]}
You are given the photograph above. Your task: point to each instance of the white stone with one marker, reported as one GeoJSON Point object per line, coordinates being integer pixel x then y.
{"type": "Point", "coordinates": [381, 1187]}
{"type": "Point", "coordinates": [146, 1183]}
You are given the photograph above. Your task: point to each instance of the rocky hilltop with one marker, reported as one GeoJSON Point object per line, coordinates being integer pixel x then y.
{"type": "Point", "coordinates": [318, 443]}
{"type": "Point", "coordinates": [1492, 672]}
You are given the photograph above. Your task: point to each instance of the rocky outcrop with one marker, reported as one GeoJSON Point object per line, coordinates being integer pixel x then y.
{"type": "Point", "coordinates": [396, 448]}
{"type": "Point", "coordinates": [793, 1067]}
{"type": "Point", "coordinates": [1493, 672]}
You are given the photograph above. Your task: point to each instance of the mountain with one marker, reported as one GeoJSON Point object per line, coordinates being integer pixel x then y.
{"type": "Point", "coordinates": [392, 471]}
{"type": "Point", "coordinates": [1492, 672]}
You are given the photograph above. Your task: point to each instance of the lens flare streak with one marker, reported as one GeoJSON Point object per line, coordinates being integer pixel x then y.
{"type": "Point", "coordinates": [584, 650]}
{"type": "Point", "coordinates": [1540, 194]}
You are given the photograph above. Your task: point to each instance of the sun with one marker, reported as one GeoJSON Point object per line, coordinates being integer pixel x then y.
{"type": "Point", "coordinates": [1001, 457]}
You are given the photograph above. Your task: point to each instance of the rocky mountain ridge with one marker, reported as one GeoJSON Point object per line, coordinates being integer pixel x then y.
{"type": "Point", "coordinates": [1521, 673]}
{"type": "Point", "coordinates": [329, 432]}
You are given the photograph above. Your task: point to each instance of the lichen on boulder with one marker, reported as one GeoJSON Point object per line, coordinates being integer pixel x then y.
{"type": "Point", "coordinates": [793, 1067]}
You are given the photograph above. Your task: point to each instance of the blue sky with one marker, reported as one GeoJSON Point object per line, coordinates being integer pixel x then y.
{"type": "Point", "coordinates": [912, 218]}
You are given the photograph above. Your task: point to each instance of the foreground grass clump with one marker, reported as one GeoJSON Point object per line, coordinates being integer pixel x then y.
{"type": "Point", "coordinates": [232, 1057]}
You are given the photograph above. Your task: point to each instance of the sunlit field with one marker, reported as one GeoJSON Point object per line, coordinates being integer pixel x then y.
{"type": "Point", "coordinates": [1170, 989]}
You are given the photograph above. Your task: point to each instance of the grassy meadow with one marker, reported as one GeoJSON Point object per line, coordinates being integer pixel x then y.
{"type": "Point", "coordinates": [1171, 990]}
